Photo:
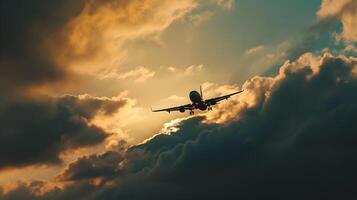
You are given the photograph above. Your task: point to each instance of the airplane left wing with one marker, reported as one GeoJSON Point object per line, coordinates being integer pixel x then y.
{"type": "Point", "coordinates": [213, 101]}
{"type": "Point", "coordinates": [177, 108]}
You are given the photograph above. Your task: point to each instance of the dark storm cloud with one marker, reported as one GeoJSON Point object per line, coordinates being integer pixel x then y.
{"type": "Point", "coordinates": [297, 142]}
{"type": "Point", "coordinates": [35, 38]}
{"type": "Point", "coordinates": [31, 38]}
{"type": "Point", "coordinates": [36, 131]}
{"type": "Point", "coordinates": [25, 27]}
{"type": "Point", "coordinates": [94, 166]}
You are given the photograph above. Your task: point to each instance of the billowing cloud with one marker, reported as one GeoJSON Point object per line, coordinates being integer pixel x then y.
{"type": "Point", "coordinates": [290, 134]}
{"type": "Point", "coordinates": [344, 11]}
{"type": "Point", "coordinates": [94, 166]}
{"type": "Point", "coordinates": [44, 43]}
{"type": "Point", "coordinates": [38, 130]}
{"type": "Point", "coordinates": [95, 38]}
{"type": "Point", "coordinates": [331, 13]}
{"type": "Point", "coordinates": [259, 88]}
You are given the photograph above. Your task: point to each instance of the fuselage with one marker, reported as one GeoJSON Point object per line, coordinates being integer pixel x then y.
{"type": "Point", "coordinates": [197, 101]}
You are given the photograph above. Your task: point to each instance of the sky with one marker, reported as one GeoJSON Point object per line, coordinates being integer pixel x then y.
{"type": "Point", "coordinates": [78, 79]}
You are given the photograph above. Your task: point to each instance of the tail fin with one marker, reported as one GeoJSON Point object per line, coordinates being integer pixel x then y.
{"type": "Point", "coordinates": [201, 91]}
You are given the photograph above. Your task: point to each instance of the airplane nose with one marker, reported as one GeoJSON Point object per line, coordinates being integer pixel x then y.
{"type": "Point", "coordinates": [195, 96]}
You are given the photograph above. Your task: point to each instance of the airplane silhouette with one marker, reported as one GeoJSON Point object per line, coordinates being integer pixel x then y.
{"type": "Point", "coordinates": [197, 102]}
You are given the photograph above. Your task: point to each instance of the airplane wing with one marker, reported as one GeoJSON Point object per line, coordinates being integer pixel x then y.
{"type": "Point", "coordinates": [178, 108]}
{"type": "Point", "coordinates": [213, 101]}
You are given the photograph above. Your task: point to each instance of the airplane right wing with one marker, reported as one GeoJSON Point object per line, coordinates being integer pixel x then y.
{"type": "Point", "coordinates": [177, 108]}
{"type": "Point", "coordinates": [213, 101]}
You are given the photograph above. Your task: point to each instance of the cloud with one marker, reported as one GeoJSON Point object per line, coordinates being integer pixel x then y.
{"type": "Point", "coordinates": [45, 46]}
{"type": "Point", "coordinates": [124, 124]}
{"type": "Point", "coordinates": [171, 69]}
{"type": "Point", "coordinates": [95, 38]}
{"type": "Point", "coordinates": [24, 59]}
{"type": "Point", "coordinates": [331, 13]}
{"type": "Point", "coordinates": [292, 134]}
{"type": "Point", "coordinates": [139, 74]}
{"type": "Point", "coordinates": [176, 98]}
{"type": "Point", "coordinates": [264, 85]}
{"type": "Point", "coordinates": [190, 70]}
{"type": "Point", "coordinates": [185, 71]}
{"type": "Point", "coordinates": [254, 50]}
{"type": "Point", "coordinates": [350, 48]}
{"type": "Point", "coordinates": [38, 130]}
{"type": "Point", "coordinates": [344, 11]}
{"type": "Point", "coordinates": [64, 38]}
{"type": "Point", "coordinates": [262, 58]}
{"type": "Point", "coordinates": [201, 17]}
{"type": "Point", "coordinates": [225, 4]}
{"type": "Point", "coordinates": [94, 166]}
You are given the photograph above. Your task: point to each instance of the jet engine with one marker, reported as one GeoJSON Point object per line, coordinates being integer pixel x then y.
{"type": "Point", "coordinates": [182, 109]}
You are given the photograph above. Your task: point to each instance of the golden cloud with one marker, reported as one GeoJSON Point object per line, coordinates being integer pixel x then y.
{"type": "Point", "coordinates": [93, 41]}
{"type": "Point", "coordinates": [258, 89]}
{"type": "Point", "coordinates": [254, 91]}
{"type": "Point", "coordinates": [139, 74]}
{"type": "Point", "coordinates": [346, 12]}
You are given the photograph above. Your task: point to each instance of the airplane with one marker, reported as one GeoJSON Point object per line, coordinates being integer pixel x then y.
{"type": "Point", "coordinates": [197, 102]}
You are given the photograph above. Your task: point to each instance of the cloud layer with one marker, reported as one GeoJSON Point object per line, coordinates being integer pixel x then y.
{"type": "Point", "coordinates": [289, 136]}
{"type": "Point", "coordinates": [34, 131]}
{"type": "Point", "coordinates": [292, 136]}
{"type": "Point", "coordinates": [46, 44]}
